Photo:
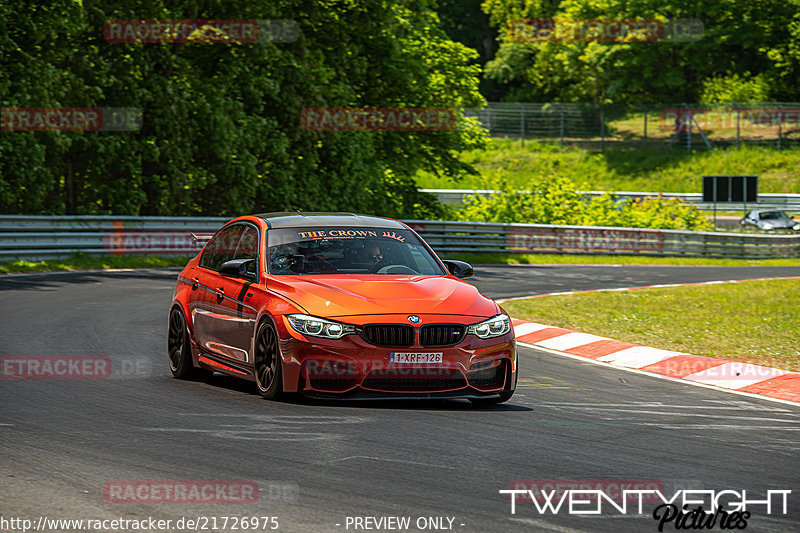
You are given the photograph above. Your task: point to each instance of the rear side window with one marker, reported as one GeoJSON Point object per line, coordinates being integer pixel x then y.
{"type": "Point", "coordinates": [221, 247]}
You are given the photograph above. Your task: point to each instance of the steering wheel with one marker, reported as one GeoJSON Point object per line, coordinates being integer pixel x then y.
{"type": "Point", "coordinates": [397, 269]}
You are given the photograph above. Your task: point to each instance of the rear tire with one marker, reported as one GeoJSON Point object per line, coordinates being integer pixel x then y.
{"type": "Point", "coordinates": [179, 349]}
{"type": "Point", "coordinates": [267, 365]}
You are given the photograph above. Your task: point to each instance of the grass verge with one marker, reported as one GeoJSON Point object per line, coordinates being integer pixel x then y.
{"type": "Point", "coordinates": [754, 322]}
{"type": "Point", "coordinates": [91, 262]}
{"type": "Point", "coordinates": [504, 161]}
{"type": "Point", "coordinates": [575, 259]}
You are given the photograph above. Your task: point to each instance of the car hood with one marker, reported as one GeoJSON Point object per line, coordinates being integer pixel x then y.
{"type": "Point", "coordinates": [337, 296]}
{"type": "Point", "coordinates": [777, 224]}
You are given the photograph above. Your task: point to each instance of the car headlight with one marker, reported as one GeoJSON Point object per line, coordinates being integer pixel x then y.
{"type": "Point", "coordinates": [494, 327]}
{"type": "Point", "coordinates": [319, 327]}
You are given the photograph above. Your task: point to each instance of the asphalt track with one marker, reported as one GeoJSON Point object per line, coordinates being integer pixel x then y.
{"type": "Point", "coordinates": [317, 463]}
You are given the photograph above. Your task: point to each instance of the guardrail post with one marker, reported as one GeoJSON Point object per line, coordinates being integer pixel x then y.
{"type": "Point", "coordinates": [644, 139]}
{"type": "Point", "coordinates": [562, 129]}
{"type": "Point", "coordinates": [602, 128]}
{"type": "Point", "coordinates": [689, 137]}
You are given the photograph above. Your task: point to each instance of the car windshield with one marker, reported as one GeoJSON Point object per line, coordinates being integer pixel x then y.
{"type": "Point", "coordinates": [348, 250]}
{"type": "Point", "coordinates": [774, 215]}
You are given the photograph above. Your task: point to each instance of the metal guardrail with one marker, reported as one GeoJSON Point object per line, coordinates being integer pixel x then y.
{"type": "Point", "coordinates": [545, 238]}
{"type": "Point", "coordinates": [788, 202]}
{"type": "Point", "coordinates": [52, 237]}
{"type": "Point", "coordinates": [44, 237]}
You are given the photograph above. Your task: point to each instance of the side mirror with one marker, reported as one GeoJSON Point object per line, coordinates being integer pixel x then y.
{"type": "Point", "coordinates": [238, 268]}
{"type": "Point", "coordinates": [459, 269]}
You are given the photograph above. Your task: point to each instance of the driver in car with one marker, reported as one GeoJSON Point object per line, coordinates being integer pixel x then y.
{"type": "Point", "coordinates": [370, 254]}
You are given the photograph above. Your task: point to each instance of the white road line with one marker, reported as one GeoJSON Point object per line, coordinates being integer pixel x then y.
{"type": "Point", "coordinates": [685, 414]}
{"type": "Point", "coordinates": [369, 458]}
{"type": "Point", "coordinates": [544, 525]}
{"type": "Point", "coordinates": [736, 406]}
{"type": "Point", "coordinates": [720, 426]}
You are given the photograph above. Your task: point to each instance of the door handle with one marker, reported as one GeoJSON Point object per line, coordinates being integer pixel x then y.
{"type": "Point", "coordinates": [221, 291]}
{"type": "Point", "coordinates": [195, 283]}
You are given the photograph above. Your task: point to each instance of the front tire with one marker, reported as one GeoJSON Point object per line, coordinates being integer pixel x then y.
{"type": "Point", "coordinates": [179, 348]}
{"type": "Point", "coordinates": [267, 366]}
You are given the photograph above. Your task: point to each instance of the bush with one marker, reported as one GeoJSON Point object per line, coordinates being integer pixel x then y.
{"type": "Point", "coordinates": [557, 200]}
{"type": "Point", "coordinates": [733, 88]}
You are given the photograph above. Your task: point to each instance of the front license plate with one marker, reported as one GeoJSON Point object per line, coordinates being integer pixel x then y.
{"type": "Point", "coordinates": [415, 357]}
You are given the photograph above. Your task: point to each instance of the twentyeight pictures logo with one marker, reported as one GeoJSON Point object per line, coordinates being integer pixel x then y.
{"type": "Point", "coordinates": [682, 509]}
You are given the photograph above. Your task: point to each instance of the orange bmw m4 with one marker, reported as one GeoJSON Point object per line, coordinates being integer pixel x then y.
{"type": "Point", "coordinates": [338, 305]}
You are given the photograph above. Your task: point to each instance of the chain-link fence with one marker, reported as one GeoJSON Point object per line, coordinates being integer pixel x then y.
{"type": "Point", "coordinates": [678, 126]}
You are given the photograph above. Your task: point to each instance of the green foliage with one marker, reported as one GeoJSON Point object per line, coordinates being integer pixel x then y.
{"type": "Point", "coordinates": [735, 88]}
{"type": "Point", "coordinates": [556, 200]}
{"type": "Point", "coordinates": [506, 162]}
{"type": "Point", "coordinates": [756, 40]}
{"type": "Point", "coordinates": [648, 212]}
{"type": "Point", "coordinates": [222, 132]}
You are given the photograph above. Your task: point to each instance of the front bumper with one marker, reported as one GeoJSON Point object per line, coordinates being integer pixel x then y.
{"type": "Point", "coordinates": [353, 367]}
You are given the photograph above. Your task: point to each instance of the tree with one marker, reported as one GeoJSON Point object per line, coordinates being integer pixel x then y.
{"type": "Point", "coordinates": [740, 39]}
{"type": "Point", "coordinates": [221, 130]}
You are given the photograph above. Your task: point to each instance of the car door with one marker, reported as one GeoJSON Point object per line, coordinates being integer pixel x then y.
{"type": "Point", "coordinates": [207, 308]}
{"type": "Point", "coordinates": [234, 316]}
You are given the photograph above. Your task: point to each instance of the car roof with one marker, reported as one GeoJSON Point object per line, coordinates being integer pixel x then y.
{"type": "Point", "coordinates": [296, 219]}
